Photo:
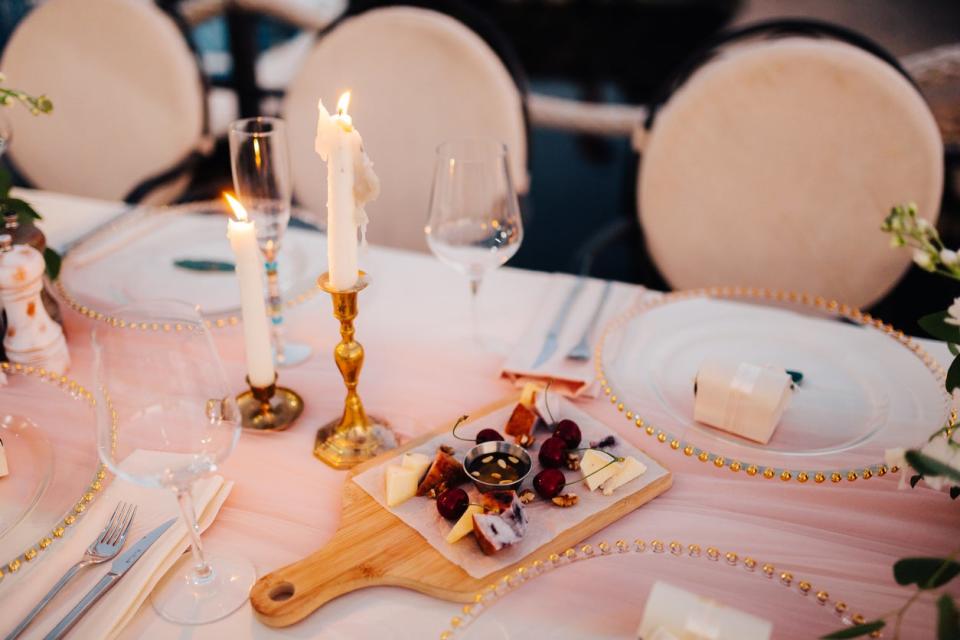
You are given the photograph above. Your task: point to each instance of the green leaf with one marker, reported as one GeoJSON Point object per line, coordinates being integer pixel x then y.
{"type": "Point", "coordinates": [953, 375]}
{"type": "Point", "coordinates": [934, 325]}
{"type": "Point", "coordinates": [856, 631]}
{"type": "Point", "coordinates": [927, 466]}
{"type": "Point", "coordinates": [53, 261]}
{"type": "Point", "coordinates": [22, 208]}
{"type": "Point", "coordinates": [954, 349]}
{"type": "Point", "coordinates": [6, 181]}
{"type": "Point", "coordinates": [926, 573]}
{"type": "Point", "coordinates": [948, 620]}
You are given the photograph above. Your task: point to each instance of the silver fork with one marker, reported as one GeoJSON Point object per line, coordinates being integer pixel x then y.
{"type": "Point", "coordinates": [581, 351]}
{"type": "Point", "coordinates": [107, 545]}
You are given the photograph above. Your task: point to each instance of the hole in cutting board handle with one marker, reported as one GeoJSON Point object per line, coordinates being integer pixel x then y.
{"type": "Point", "coordinates": [282, 591]}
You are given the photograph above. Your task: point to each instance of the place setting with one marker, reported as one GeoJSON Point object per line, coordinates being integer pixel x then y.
{"type": "Point", "coordinates": [344, 352]}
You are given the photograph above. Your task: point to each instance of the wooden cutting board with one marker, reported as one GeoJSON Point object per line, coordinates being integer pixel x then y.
{"type": "Point", "coordinates": [373, 548]}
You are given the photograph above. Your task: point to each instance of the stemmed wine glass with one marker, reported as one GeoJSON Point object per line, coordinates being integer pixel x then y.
{"type": "Point", "coordinates": [474, 223]}
{"type": "Point", "coordinates": [261, 180]}
{"type": "Point", "coordinates": [165, 392]}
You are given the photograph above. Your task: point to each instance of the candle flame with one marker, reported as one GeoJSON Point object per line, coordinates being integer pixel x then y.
{"type": "Point", "coordinates": [238, 211]}
{"type": "Point", "coordinates": [343, 103]}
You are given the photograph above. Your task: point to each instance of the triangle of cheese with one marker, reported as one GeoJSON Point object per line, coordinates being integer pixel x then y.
{"type": "Point", "coordinates": [464, 524]}
{"type": "Point", "coordinates": [593, 461]}
{"type": "Point", "coordinates": [401, 484]}
{"type": "Point", "coordinates": [419, 462]}
{"type": "Point", "coordinates": [628, 470]}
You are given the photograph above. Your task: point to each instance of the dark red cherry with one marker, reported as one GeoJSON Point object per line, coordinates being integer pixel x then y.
{"type": "Point", "coordinates": [569, 432]}
{"type": "Point", "coordinates": [549, 483]}
{"type": "Point", "coordinates": [452, 503]}
{"type": "Point", "coordinates": [552, 452]}
{"type": "Point", "coordinates": [488, 435]}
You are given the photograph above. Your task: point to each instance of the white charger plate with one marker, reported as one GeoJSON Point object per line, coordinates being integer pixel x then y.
{"type": "Point", "coordinates": [866, 388]}
{"type": "Point", "coordinates": [605, 597]}
{"type": "Point", "coordinates": [133, 260]}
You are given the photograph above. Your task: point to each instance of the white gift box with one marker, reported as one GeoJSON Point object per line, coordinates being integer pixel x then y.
{"type": "Point", "coordinates": [745, 399]}
{"type": "Point", "coordinates": [672, 613]}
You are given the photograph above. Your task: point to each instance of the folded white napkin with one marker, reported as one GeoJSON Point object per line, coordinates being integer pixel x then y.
{"type": "Point", "coordinates": [118, 606]}
{"type": "Point", "coordinates": [569, 377]}
{"type": "Point", "coordinates": [68, 217]}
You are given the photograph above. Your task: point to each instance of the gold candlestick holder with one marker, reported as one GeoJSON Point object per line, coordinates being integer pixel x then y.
{"type": "Point", "coordinates": [355, 436]}
{"type": "Point", "coordinates": [270, 408]}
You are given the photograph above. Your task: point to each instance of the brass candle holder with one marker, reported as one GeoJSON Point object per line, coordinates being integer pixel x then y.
{"type": "Point", "coordinates": [355, 436]}
{"type": "Point", "coordinates": [269, 408]}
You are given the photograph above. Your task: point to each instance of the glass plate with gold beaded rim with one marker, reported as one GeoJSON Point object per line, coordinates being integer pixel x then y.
{"type": "Point", "coordinates": [866, 387]}
{"type": "Point", "coordinates": [137, 257]}
{"type": "Point", "coordinates": [605, 597]}
{"type": "Point", "coordinates": [62, 410]}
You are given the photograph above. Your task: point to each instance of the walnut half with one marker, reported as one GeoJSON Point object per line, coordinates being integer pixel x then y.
{"type": "Point", "coordinates": [525, 440]}
{"type": "Point", "coordinates": [527, 496]}
{"type": "Point", "coordinates": [566, 500]}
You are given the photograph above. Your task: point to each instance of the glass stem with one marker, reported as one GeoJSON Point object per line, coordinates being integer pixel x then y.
{"type": "Point", "coordinates": [475, 309]}
{"type": "Point", "coordinates": [275, 302]}
{"type": "Point", "coordinates": [202, 572]}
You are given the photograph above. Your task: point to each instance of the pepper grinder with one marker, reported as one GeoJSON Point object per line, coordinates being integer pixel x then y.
{"type": "Point", "coordinates": [31, 337]}
{"type": "Point", "coordinates": [32, 235]}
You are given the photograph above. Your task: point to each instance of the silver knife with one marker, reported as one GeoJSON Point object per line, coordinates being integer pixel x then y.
{"type": "Point", "coordinates": [553, 335]}
{"type": "Point", "coordinates": [120, 566]}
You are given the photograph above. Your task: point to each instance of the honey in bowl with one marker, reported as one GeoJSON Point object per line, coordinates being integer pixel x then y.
{"type": "Point", "coordinates": [497, 465]}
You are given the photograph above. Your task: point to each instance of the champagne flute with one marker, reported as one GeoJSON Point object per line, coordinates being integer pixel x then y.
{"type": "Point", "coordinates": [474, 223]}
{"type": "Point", "coordinates": [175, 419]}
{"type": "Point", "coordinates": [261, 179]}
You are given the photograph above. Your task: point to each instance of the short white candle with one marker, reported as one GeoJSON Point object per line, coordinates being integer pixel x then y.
{"type": "Point", "coordinates": [350, 184]}
{"type": "Point", "coordinates": [242, 233]}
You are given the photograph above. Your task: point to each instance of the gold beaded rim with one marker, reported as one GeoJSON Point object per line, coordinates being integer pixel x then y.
{"type": "Point", "coordinates": [212, 321]}
{"type": "Point", "coordinates": [753, 469]}
{"type": "Point", "coordinates": [88, 495]}
{"type": "Point", "coordinates": [492, 593]}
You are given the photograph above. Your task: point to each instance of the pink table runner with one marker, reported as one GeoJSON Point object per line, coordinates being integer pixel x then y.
{"type": "Point", "coordinates": [421, 370]}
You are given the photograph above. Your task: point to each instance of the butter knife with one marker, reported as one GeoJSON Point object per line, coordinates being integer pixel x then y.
{"type": "Point", "coordinates": [553, 334]}
{"type": "Point", "coordinates": [120, 566]}
{"type": "Point", "coordinates": [203, 264]}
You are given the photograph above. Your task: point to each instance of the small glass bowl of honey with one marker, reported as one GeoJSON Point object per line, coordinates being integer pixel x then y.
{"type": "Point", "coordinates": [497, 465]}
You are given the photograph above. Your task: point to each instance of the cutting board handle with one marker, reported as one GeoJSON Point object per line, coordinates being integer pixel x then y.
{"type": "Point", "coordinates": [291, 593]}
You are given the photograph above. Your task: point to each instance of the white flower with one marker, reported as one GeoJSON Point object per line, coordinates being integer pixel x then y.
{"type": "Point", "coordinates": [948, 257]}
{"type": "Point", "coordinates": [924, 225]}
{"type": "Point", "coordinates": [897, 458]}
{"type": "Point", "coordinates": [923, 259]}
{"type": "Point", "coordinates": [953, 313]}
{"type": "Point", "coordinates": [941, 450]}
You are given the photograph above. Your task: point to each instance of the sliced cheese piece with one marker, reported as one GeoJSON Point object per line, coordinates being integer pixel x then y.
{"type": "Point", "coordinates": [401, 484]}
{"type": "Point", "coordinates": [419, 462]}
{"type": "Point", "coordinates": [596, 468]}
{"type": "Point", "coordinates": [529, 395]}
{"type": "Point", "coordinates": [464, 525]}
{"type": "Point", "coordinates": [629, 469]}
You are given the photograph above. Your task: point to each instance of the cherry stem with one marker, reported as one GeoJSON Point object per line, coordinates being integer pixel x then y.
{"type": "Point", "coordinates": [460, 421]}
{"type": "Point", "coordinates": [546, 404]}
{"type": "Point", "coordinates": [615, 458]}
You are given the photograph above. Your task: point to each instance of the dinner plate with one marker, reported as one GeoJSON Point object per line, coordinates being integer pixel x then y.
{"type": "Point", "coordinates": [135, 259]}
{"type": "Point", "coordinates": [866, 388]}
{"type": "Point", "coordinates": [26, 446]}
{"type": "Point", "coordinates": [51, 441]}
{"type": "Point", "coordinates": [599, 590]}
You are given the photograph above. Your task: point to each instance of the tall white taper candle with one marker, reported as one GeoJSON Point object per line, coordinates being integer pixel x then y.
{"type": "Point", "coordinates": [350, 184]}
{"type": "Point", "coordinates": [256, 334]}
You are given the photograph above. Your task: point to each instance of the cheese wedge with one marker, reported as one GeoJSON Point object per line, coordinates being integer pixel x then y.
{"type": "Point", "coordinates": [528, 396]}
{"type": "Point", "coordinates": [401, 484]}
{"type": "Point", "coordinates": [599, 462]}
{"type": "Point", "coordinates": [419, 462]}
{"type": "Point", "coordinates": [629, 469]}
{"type": "Point", "coordinates": [464, 524]}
